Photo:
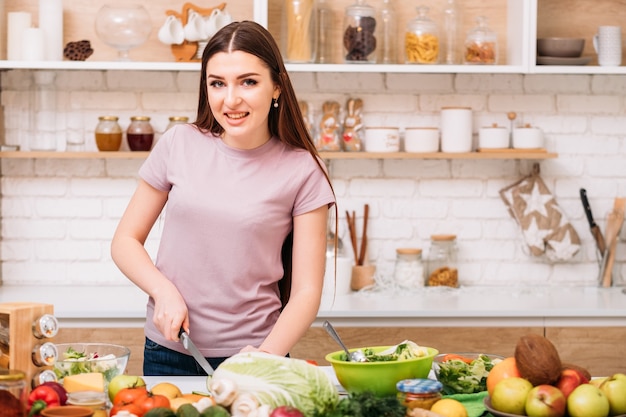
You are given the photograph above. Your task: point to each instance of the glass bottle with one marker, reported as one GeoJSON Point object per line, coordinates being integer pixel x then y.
{"type": "Point", "coordinates": [13, 392]}
{"type": "Point", "coordinates": [298, 31]}
{"type": "Point", "coordinates": [481, 44]}
{"type": "Point", "coordinates": [408, 271]}
{"type": "Point", "coordinates": [359, 35]}
{"type": "Point", "coordinates": [108, 133]}
{"type": "Point", "coordinates": [450, 34]}
{"type": "Point", "coordinates": [140, 134]}
{"type": "Point", "coordinates": [387, 31]}
{"type": "Point", "coordinates": [442, 261]}
{"type": "Point", "coordinates": [421, 40]}
{"type": "Point", "coordinates": [176, 120]}
{"type": "Point", "coordinates": [324, 27]}
{"type": "Point", "coordinates": [43, 112]}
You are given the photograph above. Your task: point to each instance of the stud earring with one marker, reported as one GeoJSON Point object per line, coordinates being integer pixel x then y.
{"type": "Point", "coordinates": [275, 100]}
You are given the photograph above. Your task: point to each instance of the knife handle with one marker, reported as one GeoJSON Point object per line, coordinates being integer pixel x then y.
{"type": "Point", "coordinates": [597, 234]}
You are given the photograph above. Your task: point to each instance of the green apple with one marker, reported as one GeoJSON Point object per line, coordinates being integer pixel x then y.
{"type": "Point", "coordinates": [509, 395]}
{"type": "Point", "coordinates": [587, 401]}
{"type": "Point", "coordinates": [614, 388]}
{"type": "Point", "coordinates": [124, 381]}
{"type": "Point", "coordinates": [598, 381]}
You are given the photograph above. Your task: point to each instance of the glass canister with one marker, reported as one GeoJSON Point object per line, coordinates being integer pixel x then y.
{"type": "Point", "coordinates": [298, 31]}
{"type": "Point", "coordinates": [177, 120]}
{"type": "Point", "coordinates": [450, 34]}
{"type": "Point", "coordinates": [108, 134]}
{"type": "Point", "coordinates": [140, 134]}
{"type": "Point", "coordinates": [409, 270]}
{"type": "Point", "coordinates": [419, 393]}
{"type": "Point", "coordinates": [481, 44]}
{"type": "Point", "coordinates": [13, 393]}
{"type": "Point", "coordinates": [324, 27]}
{"type": "Point", "coordinates": [359, 36]}
{"type": "Point", "coordinates": [421, 40]}
{"type": "Point", "coordinates": [387, 32]}
{"type": "Point", "coordinates": [442, 262]}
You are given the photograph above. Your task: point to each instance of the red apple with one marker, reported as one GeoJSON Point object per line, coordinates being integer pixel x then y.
{"type": "Point", "coordinates": [587, 401]}
{"type": "Point", "coordinates": [545, 401]}
{"type": "Point", "coordinates": [569, 380]}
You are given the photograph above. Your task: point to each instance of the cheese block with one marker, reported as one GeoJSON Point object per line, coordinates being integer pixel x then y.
{"type": "Point", "coordinates": [93, 381]}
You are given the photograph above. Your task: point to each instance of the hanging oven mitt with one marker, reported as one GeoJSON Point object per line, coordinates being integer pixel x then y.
{"type": "Point", "coordinates": [545, 228]}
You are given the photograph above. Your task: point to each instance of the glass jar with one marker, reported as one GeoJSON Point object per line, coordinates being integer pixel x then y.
{"type": "Point", "coordinates": [419, 393]}
{"type": "Point", "coordinates": [409, 271]}
{"type": "Point", "coordinates": [359, 35]}
{"type": "Point", "coordinates": [442, 261]}
{"type": "Point", "coordinates": [108, 134]}
{"type": "Point", "coordinates": [46, 326]}
{"type": "Point", "coordinates": [42, 376]}
{"type": "Point", "coordinates": [450, 34]}
{"type": "Point", "coordinates": [421, 40]}
{"type": "Point", "coordinates": [44, 354]}
{"type": "Point", "coordinates": [140, 134]}
{"type": "Point", "coordinates": [298, 31]}
{"type": "Point", "coordinates": [387, 30]}
{"type": "Point", "coordinates": [13, 393]}
{"type": "Point", "coordinates": [95, 400]}
{"type": "Point", "coordinates": [324, 27]}
{"type": "Point", "coordinates": [43, 123]}
{"type": "Point", "coordinates": [481, 44]}
{"type": "Point", "coordinates": [177, 120]}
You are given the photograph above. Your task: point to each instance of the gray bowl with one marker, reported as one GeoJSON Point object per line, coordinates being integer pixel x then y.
{"type": "Point", "coordinates": [560, 47]}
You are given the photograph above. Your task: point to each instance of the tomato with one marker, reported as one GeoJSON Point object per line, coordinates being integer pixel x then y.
{"type": "Point", "coordinates": [152, 401]}
{"type": "Point", "coordinates": [453, 356]}
{"type": "Point", "coordinates": [131, 408]}
{"type": "Point", "coordinates": [129, 395]}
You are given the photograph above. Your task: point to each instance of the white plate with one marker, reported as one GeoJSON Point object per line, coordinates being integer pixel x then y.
{"type": "Point", "coordinates": [552, 60]}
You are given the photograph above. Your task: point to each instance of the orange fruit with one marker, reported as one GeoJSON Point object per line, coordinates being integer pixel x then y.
{"type": "Point", "coordinates": [449, 407]}
{"type": "Point", "coordinates": [507, 368]}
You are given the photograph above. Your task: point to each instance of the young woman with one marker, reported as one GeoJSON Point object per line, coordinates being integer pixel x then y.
{"type": "Point", "coordinates": [247, 205]}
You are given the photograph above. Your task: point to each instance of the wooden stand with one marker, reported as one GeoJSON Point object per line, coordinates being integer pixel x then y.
{"type": "Point", "coordinates": [186, 51]}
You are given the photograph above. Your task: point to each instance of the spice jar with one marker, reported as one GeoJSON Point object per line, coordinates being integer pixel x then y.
{"type": "Point", "coordinates": [140, 134]}
{"type": "Point", "coordinates": [419, 393]}
{"type": "Point", "coordinates": [409, 271]}
{"type": "Point", "coordinates": [299, 26]}
{"type": "Point", "coordinates": [13, 393]}
{"type": "Point", "coordinates": [481, 44]}
{"type": "Point", "coordinates": [108, 134]}
{"type": "Point", "coordinates": [442, 261]}
{"type": "Point", "coordinates": [177, 120]}
{"type": "Point", "coordinates": [359, 38]}
{"type": "Point", "coordinates": [421, 40]}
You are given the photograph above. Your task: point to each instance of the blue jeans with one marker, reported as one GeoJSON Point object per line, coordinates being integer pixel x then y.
{"type": "Point", "coordinates": [159, 360]}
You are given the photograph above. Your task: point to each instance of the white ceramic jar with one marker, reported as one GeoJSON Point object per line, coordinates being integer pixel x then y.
{"type": "Point", "coordinates": [382, 139]}
{"type": "Point", "coordinates": [493, 137]}
{"type": "Point", "coordinates": [421, 139]}
{"type": "Point", "coordinates": [527, 137]}
{"type": "Point", "coordinates": [456, 129]}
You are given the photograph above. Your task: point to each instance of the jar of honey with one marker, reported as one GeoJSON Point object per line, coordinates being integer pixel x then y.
{"type": "Point", "coordinates": [13, 393]}
{"type": "Point", "coordinates": [108, 134]}
{"type": "Point", "coordinates": [419, 393]}
{"type": "Point", "coordinates": [140, 134]}
{"type": "Point", "coordinates": [177, 120]}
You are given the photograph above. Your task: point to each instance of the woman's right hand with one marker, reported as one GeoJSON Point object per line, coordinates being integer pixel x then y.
{"type": "Point", "coordinates": [170, 311]}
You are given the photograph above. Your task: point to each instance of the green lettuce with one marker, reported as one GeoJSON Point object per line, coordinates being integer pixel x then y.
{"type": "Point", "coordinates": [277, 380]}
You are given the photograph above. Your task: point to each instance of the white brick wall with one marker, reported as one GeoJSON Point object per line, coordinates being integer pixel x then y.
{"type": "Point", "coordinates": [58, 215]}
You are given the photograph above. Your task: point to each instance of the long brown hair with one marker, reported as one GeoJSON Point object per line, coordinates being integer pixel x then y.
{"type": "Point", "coordinates": [285, 122]}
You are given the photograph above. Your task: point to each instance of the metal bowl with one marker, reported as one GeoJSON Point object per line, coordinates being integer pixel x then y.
{"type": "Point", "coordinates": [560, 47]}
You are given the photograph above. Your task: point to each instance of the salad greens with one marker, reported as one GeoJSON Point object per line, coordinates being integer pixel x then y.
{"type": "Point", "coordinates": [75, 362]}
{"type": "Point", "coordinates": [460, 377]}
{"type": "Point", "coordinates": [399, 352]}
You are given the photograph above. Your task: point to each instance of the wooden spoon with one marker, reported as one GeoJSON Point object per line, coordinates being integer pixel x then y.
{"type": "Point", "coordinates": [613, 225]}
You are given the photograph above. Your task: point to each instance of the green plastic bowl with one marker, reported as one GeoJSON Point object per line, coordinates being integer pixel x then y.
{"type": "Point", "coordinates": [379, 377]}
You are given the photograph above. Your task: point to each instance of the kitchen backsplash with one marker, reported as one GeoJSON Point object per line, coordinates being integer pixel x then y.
{"type": "Point", "coordinates": [58, 215]}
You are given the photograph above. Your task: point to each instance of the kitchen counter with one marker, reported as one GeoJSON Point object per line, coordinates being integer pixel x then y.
{"type": "Point", "coordinates": [124, 306]}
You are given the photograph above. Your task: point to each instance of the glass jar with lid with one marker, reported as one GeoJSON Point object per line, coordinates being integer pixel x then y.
{"type": "Point", "coordinates": [108, 133]}
{"type": "Point", "coordinates": [299, 43]}
{"type": "Point", "coordinates": [409, 271]}
{"type": "Point", "coordinates": [13, 392]}
{"type": "Point", "coordinates": [442, 261]}
{"type": "Point", "coordinates": [481, 44]}
{"type": "Point", "coordinates": [421, 40]}
{"type": "Point", "coordinates": [140, 134]}
{"type": "Point", "coordinates": [419, 393]}
{"type": "Point", "coordinates": [176, 120]}
{"type": "Point", "coordinates": [359, 35]}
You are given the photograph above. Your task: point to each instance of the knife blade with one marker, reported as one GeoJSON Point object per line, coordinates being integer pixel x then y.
{"type": "Point", "coordinates": [195, 352]}
{"type": "Point", "coordinates": [595, 229]}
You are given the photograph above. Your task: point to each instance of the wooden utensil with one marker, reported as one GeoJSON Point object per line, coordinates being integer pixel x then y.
{"type": "Point", "coordinates": [361, 259]}
{"type": "Point", "coordinates": [613, 225]}
{"type": "Point", "coordinates": [352, 230]}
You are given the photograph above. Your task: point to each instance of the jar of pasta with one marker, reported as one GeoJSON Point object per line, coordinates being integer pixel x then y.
{"type": "Point", "coordinates": [421, 40]}
{"type": "Point", "coordinates": [298, 36]}
{"type": "Point", "coordinates": [481, 44]}
{"type": "Point", "coordinates": [359, 38]}
{"type": "Point", "coordinates": [442, 262]}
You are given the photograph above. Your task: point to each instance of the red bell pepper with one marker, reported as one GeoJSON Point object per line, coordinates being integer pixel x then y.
{"type": "Point", "coordinates": [40, 398]}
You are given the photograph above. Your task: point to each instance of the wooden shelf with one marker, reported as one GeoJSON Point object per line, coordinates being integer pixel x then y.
{"type": "Point", "coordinates": [505, 154]}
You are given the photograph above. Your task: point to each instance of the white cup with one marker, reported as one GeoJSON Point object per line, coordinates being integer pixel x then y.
{"type": "Point", "coordinates": [344, 274]}
{"type": "Point", "coordinates": [456, 129]}
{"type": "Point", "coordinates": [382, 139]}
{"type": "Point", "coordinates": [195, 27]}
{"type": "Point", "coordinates": [421, 139]}
{"type": "Point", "coordinates": [608, 45]}
{"type": "Point", "coordinates": [527, 137]}
{"type": "Point", "coordinates": [172, 32]}
{"type": "Point", "coordinates": [493, 137]}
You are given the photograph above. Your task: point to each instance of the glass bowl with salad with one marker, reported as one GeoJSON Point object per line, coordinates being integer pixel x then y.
{"type": "Point", "coordinates": [79, 358]}
{"type": "Point", "coordinates": [464, 373]}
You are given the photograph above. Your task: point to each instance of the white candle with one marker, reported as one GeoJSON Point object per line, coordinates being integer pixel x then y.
{"type": "Point", "coordinates": [32, 44]}
{"type": "Point", "coordinates": [51, 21]}
{"type": "Point", "coordinates": [16, 23]}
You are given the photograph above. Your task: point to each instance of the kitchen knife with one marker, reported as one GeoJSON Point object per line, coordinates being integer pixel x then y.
{"type": "Point", "coordinates": [197, 355]}
{"type": "Point", "coordinates": [595, 229]}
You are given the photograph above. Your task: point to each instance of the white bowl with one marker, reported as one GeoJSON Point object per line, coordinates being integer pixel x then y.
{"type": "Point", "coordinates": [382, 139]}
{"type": "Point", "coordinates": [421, 139]}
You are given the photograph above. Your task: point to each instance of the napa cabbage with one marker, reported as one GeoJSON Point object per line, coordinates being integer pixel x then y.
{"type": "Point", "coordinates": [277, 380]}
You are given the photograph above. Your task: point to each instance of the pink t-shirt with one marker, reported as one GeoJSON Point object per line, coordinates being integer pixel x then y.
{"type": "Point", "coordinates": [228, 213]}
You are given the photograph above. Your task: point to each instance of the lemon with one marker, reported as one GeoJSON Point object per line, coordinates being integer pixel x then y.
{"type": "Point", "coordinates": [448, 407]}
